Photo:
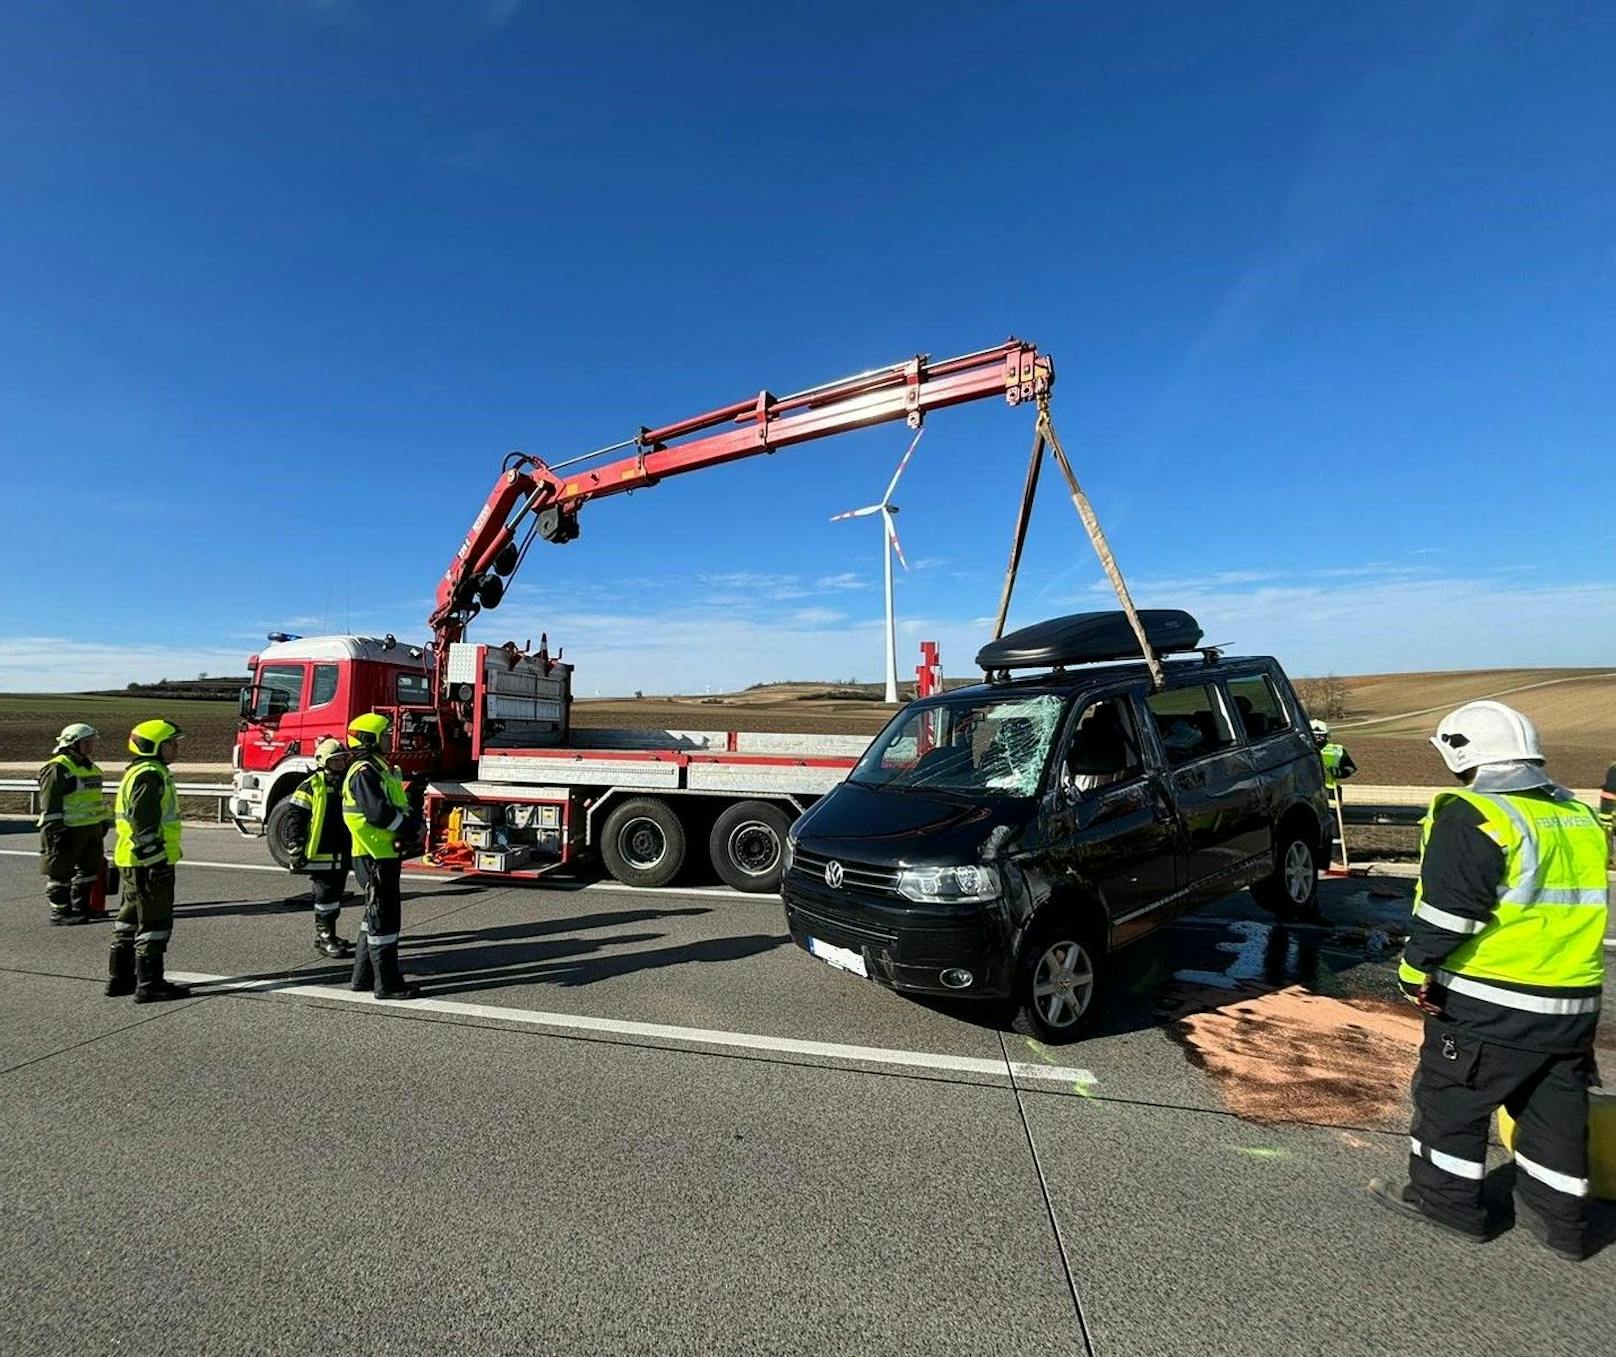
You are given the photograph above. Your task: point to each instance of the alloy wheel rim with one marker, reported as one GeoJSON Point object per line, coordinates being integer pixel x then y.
{"type": "Point", "coordinates": [1063, 984]}
{"type": "Point", "coordinates": [1298, 871]}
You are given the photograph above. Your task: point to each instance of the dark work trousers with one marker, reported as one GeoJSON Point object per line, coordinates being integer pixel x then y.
{"type": "Point", "coordinates": [70, 861]}
{"type": "Point", "coordinates": [376, 958]}
{"type": "Point", "coordinates": [1460, 1082]}
{"type": "Point", "coordinates": [326, 886]}
{"type": "Point", "coordinates": [146, 918]}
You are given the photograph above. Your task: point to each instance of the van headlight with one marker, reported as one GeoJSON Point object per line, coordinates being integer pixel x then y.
{"type": "Point", "coordinates": [952, 885]}
{"type": "Point", "coordinates": [788, 854]}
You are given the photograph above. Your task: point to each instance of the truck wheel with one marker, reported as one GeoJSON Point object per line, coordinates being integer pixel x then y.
{"type": "Point", "coordinates": [1291, 890]}
{"type": "Point", "coordinates": [282, 843]}
{"type": "Point", "coordinates": [643, 843]}
{"type": "Point", "coordinates": [1058, 982]}
{"type": "Point", "coordinates": [748, 845]}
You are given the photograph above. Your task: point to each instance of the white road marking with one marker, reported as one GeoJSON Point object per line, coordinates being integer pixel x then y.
{"type": "Point", "coordinates": [654, 1031]}
{"type": "Point", "coordinates": [695, 892]}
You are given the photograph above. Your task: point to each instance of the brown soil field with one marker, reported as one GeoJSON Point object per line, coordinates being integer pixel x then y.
{"type": "Point", "coordinates": [1574, 710]}
{"type": "Point", "coordinates": [29, 723]}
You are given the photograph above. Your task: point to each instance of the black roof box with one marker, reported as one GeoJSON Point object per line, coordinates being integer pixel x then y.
{"type": "Point", "coordinates": [1085, 638]}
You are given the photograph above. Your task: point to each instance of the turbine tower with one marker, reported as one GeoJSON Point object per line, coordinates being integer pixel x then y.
{"type": "Point", "coordinates": [889, 546]}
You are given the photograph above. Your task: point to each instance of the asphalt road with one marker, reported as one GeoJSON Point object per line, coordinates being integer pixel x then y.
{"type": "Point", "coordinates": [642, 1122]}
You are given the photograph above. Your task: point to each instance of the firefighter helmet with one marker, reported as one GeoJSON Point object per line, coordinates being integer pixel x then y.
{"type": "Point", "coordinates": [1486, 732]}
{"type": "Point", "coordinates": [73, 734]}
{"type": "Point", "coordinates": [368, 731]}
{"type": "Point", "coordinates": [150, 736]}
{"type": "Point", "coordinates": [326, 750]}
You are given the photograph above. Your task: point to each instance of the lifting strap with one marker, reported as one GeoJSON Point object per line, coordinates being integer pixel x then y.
{"type": "Point", "coordinates": [1045, 436]}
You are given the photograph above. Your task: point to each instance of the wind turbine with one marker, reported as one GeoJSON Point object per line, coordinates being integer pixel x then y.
{"type": "Point", "coordinates": [889, 545]}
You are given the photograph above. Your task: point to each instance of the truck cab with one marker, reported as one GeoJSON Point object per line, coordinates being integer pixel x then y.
{"type": "Point", "coordinates": [305, 688]}
{"type": "Point", "coordinates": [1004, 840]}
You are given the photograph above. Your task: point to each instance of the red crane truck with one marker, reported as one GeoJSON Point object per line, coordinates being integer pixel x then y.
{"type": "Point", "coordinates": [507, 788]}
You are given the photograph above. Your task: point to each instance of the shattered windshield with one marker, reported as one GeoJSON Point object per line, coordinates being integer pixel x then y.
{"type": "Point", "coordinates": [991, 745]}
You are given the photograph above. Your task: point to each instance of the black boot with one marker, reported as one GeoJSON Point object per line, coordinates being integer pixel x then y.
{"type": "Point", "coordinates": [326, 941]}
{"type": "Point", "coordinates": [390, 982]}
{"type": "Point", "coordinates": [64, 909]}
{"type": "Point", "coordinates": [121, 969]}
{"type": "Point", "coordinates": [150, 986]}
{"type": "Point", "coordinates": [363, 970]}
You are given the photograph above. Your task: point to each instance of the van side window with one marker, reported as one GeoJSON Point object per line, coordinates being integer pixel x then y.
{"type": "Point", "coordinates": [1190, 722]}
{"type": "Point", "coordinates": [325, 685]}
{"type": "Point", "coordinates": [1261, 712]}
{"type": "Point", "coordinates": [1103, 747]}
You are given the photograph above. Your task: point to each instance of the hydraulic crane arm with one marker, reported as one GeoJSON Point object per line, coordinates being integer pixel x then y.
{"type": "Point", "coordinates": [532, 498]}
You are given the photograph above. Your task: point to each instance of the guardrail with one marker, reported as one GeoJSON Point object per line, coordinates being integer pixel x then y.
{"type": "Point", "coordinates": [217, 792]}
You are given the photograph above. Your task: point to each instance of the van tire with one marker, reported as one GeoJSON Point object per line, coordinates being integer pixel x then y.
{"type": "Point", "coordinates": [280, 841]}
{"type": "Point", "coordinates": [748, 844]}
{"type": "Point", "coordinates": [642, 842]}
{"type": "Point", "coordinates": [1043, 954]}
{"type": "Point", "coordinates": [1291, 889]}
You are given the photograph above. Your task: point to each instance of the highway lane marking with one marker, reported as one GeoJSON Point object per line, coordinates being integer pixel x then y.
{"type": "Point", "coordinates": [696, 892]}
{"type": "Point", "coordinates": [663, 1032]}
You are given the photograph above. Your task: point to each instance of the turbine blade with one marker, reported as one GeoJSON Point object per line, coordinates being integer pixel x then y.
{"type": "Point", "coordinates": [865, 512]}
{"type": "Point", "coordinates": [892, 534]}
{"type": "Point", "coordinates": [903, 462]}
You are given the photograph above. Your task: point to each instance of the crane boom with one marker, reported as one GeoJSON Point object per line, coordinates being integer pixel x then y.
{"type": "Point", "coordinates": [533, 498]}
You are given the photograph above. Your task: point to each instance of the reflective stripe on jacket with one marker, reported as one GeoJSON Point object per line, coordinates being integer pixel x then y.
{"type": "Point", "coordinates": [148, 833]}
{"type": "Point", "coordinates": [373, 840]}
{"type": "Point", "coordinates": [314, 795]}
{"type": "Point", "coordinates": [80, 787]}
{"type": "Point", "coordinates": [1333, 756]}
{"type": "Point", "coordinates": [1539, 960]}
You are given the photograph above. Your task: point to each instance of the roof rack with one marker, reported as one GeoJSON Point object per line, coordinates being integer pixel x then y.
{"type": "Point", "coordinates": [1092, 638]}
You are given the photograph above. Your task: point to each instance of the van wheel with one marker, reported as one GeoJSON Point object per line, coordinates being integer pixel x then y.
{"type": "Point", "coordinates": [1058, 983]}
{"type": "Point", "coordinates": [748, 845]}
{"type": "Point", "coordinates": [1291, 890]}
{"type": "Point", "coordinates": [282, 842]}
{"type": "Point", "coordinates": [643, 843]}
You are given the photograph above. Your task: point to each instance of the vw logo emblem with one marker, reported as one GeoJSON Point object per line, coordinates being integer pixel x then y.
{"type": "Point", "coordinates": [833, 874]}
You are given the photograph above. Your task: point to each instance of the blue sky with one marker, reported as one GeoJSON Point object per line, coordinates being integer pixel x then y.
{"type": "Point", "coordinates": [1330, 292]}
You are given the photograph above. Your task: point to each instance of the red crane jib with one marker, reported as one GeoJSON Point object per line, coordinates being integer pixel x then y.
{"type": "Point", "coordinates": [764, 423]}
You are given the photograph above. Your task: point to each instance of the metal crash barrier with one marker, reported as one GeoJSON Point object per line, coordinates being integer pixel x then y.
{"type": "Point", "coordinates": [217, 792]}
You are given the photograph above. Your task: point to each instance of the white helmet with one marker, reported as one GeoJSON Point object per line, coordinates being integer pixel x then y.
{"type": "Point", "coordinates": [72, 734]}
{"type": "Point", "coordinates": [1486, 732]}
{"type": "Point", "coordinates": [1319, 729]}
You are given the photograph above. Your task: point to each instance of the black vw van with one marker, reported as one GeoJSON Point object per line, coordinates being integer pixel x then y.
{"type": "Point", "coordinates": [1003, 840]}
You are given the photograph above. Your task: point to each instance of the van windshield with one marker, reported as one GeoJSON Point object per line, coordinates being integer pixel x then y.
{"type": "Point", "coordinates": [984, 746]}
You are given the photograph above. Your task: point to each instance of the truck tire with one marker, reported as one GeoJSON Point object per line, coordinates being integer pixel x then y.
{"type": "Point", "coordinates": [1059, 981]}
{"type": "Point", "coordinates": [1291, 890]}
{"type": "Point", "coordinates": [748, 845]}
{"type": "Point", "coordinates": [281, 843]}
{"type": "Point", "coordinates": [643, 843]}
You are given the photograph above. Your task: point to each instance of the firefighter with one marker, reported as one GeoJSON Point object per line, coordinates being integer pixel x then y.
{"type": "Point", "coordinates": [73, 821]}
{"type": "Point", "coordinates": [147, 813]}
{"type": "Point", "coordinates": [315, 823]}
{"type": "Point", "coordinates": [376, 809]}
{"type": "Point", "coordinates": [1338, 764]}
{"type": "Point", "coordinates": [1505, 956]}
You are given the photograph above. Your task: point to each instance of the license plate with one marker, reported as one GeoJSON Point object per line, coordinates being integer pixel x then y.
{"type": "Point", "coordinates": [843, 958]}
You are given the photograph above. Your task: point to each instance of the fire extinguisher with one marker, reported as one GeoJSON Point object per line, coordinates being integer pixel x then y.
{"type": "Point", "coordinates": [106, 885]}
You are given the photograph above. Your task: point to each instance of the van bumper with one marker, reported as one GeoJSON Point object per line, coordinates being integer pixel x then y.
{"type": "Point", "coordinates": [908, 947]}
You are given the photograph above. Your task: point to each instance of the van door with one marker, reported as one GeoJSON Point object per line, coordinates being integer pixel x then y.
{"type": "Point", "coordinates": [1216, 786]}
{"type": "Point", "coordinates": [1112, 820]}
